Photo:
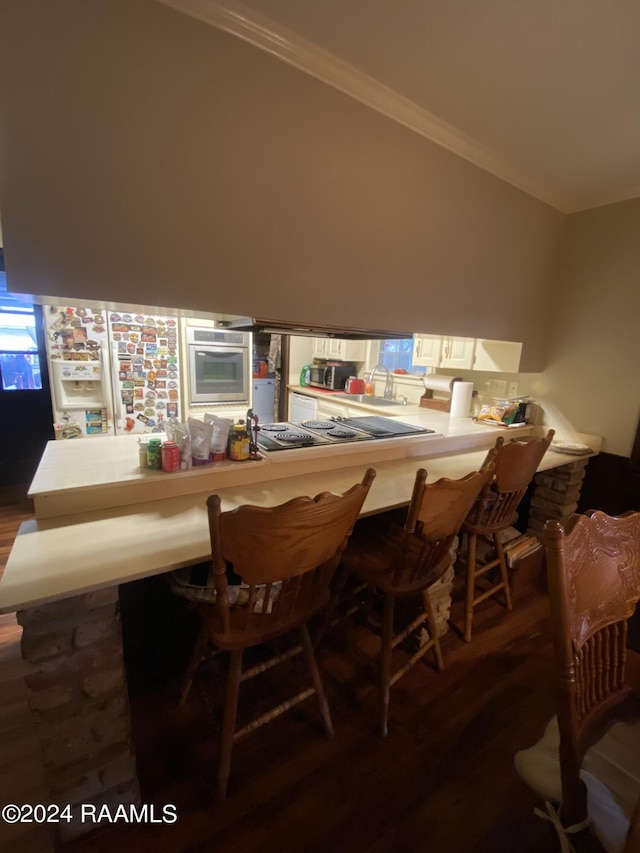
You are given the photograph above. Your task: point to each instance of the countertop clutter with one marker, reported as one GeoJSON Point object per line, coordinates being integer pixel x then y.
{"type": "Point", "coordinates": [102, 521]}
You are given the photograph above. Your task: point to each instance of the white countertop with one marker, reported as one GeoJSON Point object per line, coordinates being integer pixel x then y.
{"type": "Point", "coordinates": [389, 411]}
{"type": "Point", "coordinates": [157, 522]}
{"type": "Point", "coordinates": [90, 474]}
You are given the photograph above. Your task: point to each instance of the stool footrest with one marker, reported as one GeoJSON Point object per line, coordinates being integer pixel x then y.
{"type": "Point", "coordinates": [482, 570]}
{"type": "Point", "coordinates": [398, 638]}
{"type": "Point", "coordinates": [268, 664]}
{"type": "Point", "coordinates": [273, 713]}
{"type": "Point", "coordinates": [489, 593]}
{"type": "Point", "coordinates": [415, 657]}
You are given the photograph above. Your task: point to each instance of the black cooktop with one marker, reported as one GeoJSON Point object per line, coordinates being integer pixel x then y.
{"type": "Point", "coordinates": [315, 433]}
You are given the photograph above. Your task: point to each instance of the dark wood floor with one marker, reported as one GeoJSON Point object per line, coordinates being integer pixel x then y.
{"type": "Point", "coordinates": [21, 774]}
{"type": "Point", "coordinates": [443, 780]}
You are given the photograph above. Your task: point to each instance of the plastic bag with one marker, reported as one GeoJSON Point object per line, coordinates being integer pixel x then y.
{"type": "Point", "coordinates": [181, 434]}
{"type": "Point", "coordinates": [220, 434]}
{"type": "Point", "coordinates": [200, 441]}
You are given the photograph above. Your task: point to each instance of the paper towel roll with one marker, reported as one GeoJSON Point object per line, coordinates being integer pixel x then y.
{"type": "Point", "coordinates": [434, 382]}
{"type": "Point", "coordinates": [461, 399]}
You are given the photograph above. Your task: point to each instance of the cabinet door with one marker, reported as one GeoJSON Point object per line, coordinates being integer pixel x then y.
{"type": "Point", "coordinates": [320, 347]}
{"type": "Point", "coordinates": [427, 350]}
{"type": "Point", "coordinates": [331, 410]}
{"type": "Point", "coordinates": [345, 350]}
{"type": "Point", "coordinates": [335, 348]}
{"type": "Point", "coordinates": [354, 350]}
{"type": "Point", "coordinates": [458, 352]}
{"type": "Point", "coordinates": [501, 356]}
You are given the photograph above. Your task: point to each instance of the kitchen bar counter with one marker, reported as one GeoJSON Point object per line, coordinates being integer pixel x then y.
{"type": "Point", "coordinates": [93, 474]}
{"type": "Point", "coordinates": [82, 551]}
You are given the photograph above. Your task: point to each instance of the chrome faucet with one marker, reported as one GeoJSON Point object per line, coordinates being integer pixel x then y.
{"type": "Point", "coordinates": [388, 385]}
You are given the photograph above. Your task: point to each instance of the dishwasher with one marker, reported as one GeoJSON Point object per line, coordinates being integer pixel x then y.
{"type": "Point", "coordinates": [302, 408]}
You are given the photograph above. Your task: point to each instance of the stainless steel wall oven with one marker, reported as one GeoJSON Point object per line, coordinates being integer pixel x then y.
{"type": "Point", "coordinates": [219, 365]}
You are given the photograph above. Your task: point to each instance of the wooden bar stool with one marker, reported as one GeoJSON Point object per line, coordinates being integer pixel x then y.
{"type": "Point", "coordinates": [286, 556]}
{"type": "Point", "coordinates": [494, 511]}
{"type": "Point", "coordinates": [404, 561]}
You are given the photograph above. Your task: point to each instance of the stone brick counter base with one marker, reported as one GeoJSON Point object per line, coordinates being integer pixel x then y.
{"type": "Point", "coordinates": [556, 495]}
{"type": "Point", "coordinates": [77, 690]}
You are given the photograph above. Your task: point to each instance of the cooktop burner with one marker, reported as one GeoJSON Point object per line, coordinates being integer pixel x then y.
{"type": "Point", "coordinates": [336, 432]}
{"type": "Point", "coordinates": [316, 433]}
{"type": "Point", "coordinates": [318, 424]}
{"type": "Point", "coordinates": [294, 437]}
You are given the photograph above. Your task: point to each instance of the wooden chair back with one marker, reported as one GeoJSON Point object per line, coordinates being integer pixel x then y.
{"type": "Point", "coordinates": [434, 517]}
{"type": "Point", "coordinates": [516, 465]}
{"type": "Point", "coordinates": [286, 556]}
{"type": "Point", "coordinates": [593, 566]}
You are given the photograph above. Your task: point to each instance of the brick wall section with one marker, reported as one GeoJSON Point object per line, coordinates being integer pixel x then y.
{"type": "Point", "coordinates": [556, 494]}
{"type": "Point", "coordinates": [440, 593]}
{"type": "Point", "coordinates": [78, 694]}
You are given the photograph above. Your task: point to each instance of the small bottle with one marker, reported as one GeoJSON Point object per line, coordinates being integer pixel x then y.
{"type": "Point", "coordinates": [239, 442]}
{"type": "Point", "coordinates": [154, 454]}
{"type": "Point", "coordinates": [142, 454]}
{"type": "Point", "coordinates": [170, 457]}
{"type": "Point", "coordinates": [475, 404]}
{"type": "Point", "coordinates": [305, 375]}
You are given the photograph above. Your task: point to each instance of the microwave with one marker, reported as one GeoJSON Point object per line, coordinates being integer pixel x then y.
{"type": "Point", "coordinates": [219, 369]}
{"type": "Point", "coordinates": [332, 376]}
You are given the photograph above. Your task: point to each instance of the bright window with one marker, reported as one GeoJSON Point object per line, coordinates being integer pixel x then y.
{"type": "Point", "coordinates": [398, 354]}
{"type": "Point", "coordinates": [19, 360]}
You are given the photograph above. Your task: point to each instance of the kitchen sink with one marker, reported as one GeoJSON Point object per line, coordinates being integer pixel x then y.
{"type": "Point", "coordinates": [367, 400]}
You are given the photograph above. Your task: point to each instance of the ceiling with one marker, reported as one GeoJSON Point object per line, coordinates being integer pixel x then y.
{"type": "Point", "coordinates": [542, 93]}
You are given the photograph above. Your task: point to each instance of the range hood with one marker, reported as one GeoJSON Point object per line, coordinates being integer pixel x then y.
{"type": "Point", "coordinates": [315, 330]}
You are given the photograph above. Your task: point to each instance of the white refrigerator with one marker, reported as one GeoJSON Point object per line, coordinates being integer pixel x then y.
{"type": "Point", "coordinates": [111, 372]}
{"type": "Point", "coordinates": [263, 400]}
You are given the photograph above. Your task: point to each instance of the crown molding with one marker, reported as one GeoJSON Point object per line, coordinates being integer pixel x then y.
{"type": "Point", "coordinates": [606, 199]}
{"type": "Point", "coordinates": [234, 18]}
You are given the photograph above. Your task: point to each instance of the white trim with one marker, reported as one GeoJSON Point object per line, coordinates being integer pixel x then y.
{"type": "Point", "coordinates": [605, 199]}
{"type": "Point", "coordinates": [263, 33]}
{"type": "Point", "coordinates": [232, 17]}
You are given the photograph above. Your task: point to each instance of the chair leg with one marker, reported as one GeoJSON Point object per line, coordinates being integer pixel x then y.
{"type": "Point", "coordinates": [339, 582]}
{"type": "Point", "coordinates": [196, 658]}
{"type": "Point", "coordinates": [433, 629]}
{"type": "Point", "coordinates": [385, 662]}
{"type": "Point", "coordinates": [470, 586]}
{"type": "Point", "coordinates": [229, 721]}
{"type": "Point", "coordinates": [504, 572]}
{"type": "Point", "coordinates": [323, 705]}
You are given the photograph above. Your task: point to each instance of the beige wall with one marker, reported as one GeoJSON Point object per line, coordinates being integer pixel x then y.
{"type": "Point", "coordinates": [591, 381]}
{"type": "Point", "coordinates": [149, 158]}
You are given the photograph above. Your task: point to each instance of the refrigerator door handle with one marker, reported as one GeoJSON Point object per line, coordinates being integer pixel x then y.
{"type": "Point", "coordinates": [111, 365]}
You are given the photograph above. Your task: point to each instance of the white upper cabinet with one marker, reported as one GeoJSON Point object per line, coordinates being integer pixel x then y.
{"type": "Point", "coordinates": [439, 351]}
{"type": "Point", "coordinates": [466, 353]}
{"type": "Point", "coordinates": [320, 347]}
{"type": "Point", "coordinates": [427, 350]}
{"type": "Point", "coordinates": [340, 349]}
{"type": "Point", "coordinates": [458, 352]}
{"type": "Point", "coordinates": [503, 356]}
